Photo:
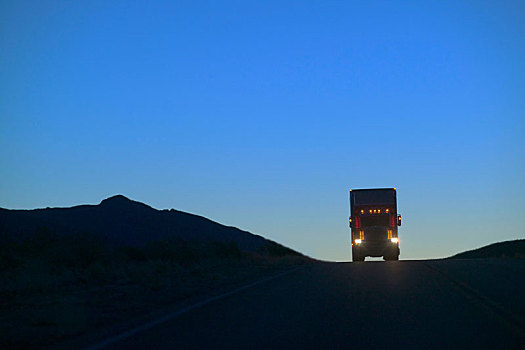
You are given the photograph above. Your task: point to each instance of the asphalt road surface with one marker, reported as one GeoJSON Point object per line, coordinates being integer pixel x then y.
{"type": "Point", "coordinates": [440, 304]}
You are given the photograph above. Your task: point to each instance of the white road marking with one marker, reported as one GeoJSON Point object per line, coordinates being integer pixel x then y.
{"type": "Point", "coordinates": [173, 315]}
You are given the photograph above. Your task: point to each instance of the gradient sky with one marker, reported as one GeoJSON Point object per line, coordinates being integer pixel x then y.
{"type": "Point", "coordinates": [263, 114]}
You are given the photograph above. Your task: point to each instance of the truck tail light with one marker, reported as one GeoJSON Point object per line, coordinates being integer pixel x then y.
{"type": "Point", "coordinates": [392, 221]}
{"type": "Point", "coordinates": [357, 222]}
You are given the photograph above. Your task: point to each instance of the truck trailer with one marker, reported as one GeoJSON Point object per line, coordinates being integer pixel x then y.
{"type": "Point", "coordinates": [374, 223]}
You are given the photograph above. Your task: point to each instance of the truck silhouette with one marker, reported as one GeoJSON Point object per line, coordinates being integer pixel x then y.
{"type": "Point", "coordinates": [374, 221]}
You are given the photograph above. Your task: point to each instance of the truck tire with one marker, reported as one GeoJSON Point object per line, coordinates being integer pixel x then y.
{"type": "Point", "coordinates": [356, 256]}
{"type": "Point", "coordinates": [391, 257]}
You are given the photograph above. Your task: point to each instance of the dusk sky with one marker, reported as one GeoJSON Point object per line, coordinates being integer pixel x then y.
{"type": "Point", "coordinates": [263, 114]}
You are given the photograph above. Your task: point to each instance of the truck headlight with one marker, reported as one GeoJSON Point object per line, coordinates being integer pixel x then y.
{"type": "Point", "coordinates": [394, 239]}
{"type": "Point", "coordinates": [358, 241]}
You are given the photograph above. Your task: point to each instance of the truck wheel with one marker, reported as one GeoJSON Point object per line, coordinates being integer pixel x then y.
{"type": "Point", "coordinates": [356, 257]}
{"type": "Point", "coordinates": [391, 257]}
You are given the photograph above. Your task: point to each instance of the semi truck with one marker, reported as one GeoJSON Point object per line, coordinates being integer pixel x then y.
{"type": "Point", "coordinates": [374, 223]}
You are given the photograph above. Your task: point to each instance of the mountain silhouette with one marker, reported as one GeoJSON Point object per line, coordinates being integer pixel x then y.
{"type": "Point", "coordinates": [120, 220]}
{"type": "Point", "coordinates": [507, 249]}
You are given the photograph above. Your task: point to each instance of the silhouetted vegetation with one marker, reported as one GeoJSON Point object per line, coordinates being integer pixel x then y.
{"type": "Point", "coordinates": [67, 271]}
{"type": "Point", "coordinates": [46, 247]}
{"type": "Point", "coordinates": [92, 259]}
{"type": "Point", "coordinates": [54, 286]}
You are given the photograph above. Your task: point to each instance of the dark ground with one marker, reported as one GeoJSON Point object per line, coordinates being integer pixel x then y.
{"type": "Point", "coordinates": [453, 304]}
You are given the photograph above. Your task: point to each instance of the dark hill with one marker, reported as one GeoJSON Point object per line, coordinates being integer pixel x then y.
{"type": "Point", "coordinates": [508, 249]}
{"type": "Point", "coordinates": [120, 220]}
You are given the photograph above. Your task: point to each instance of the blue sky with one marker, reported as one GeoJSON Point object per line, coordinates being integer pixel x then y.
{"type": "Point", "coordinates": [262, 115]}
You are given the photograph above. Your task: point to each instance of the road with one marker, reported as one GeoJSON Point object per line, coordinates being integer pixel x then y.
{"type": "Point", "coordinates": [436, 304]}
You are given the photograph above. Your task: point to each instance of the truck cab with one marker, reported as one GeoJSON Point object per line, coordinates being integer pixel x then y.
{"type": "Point", "coordinates": [374, 223]}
